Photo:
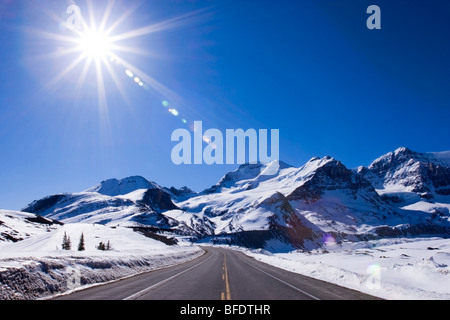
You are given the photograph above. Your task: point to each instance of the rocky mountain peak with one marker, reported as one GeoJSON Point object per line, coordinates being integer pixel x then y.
{"type": "Point", "coordinates": [114, 187]}
{"type": "Point", "coordinates": [424, 173]}
{"type": "Point", "coordinates": [330, 174]}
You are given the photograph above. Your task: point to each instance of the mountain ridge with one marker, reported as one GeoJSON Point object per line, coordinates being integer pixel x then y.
{"type": "Point", "coordinates": [401, 193]}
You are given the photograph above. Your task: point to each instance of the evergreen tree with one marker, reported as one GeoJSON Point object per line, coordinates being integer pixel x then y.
{"type": "Point", "coordinates": [101, 246]}
{"type": "Point", "coordinates": [66, 245]}
{"type": "Point", "coordinates": [104, 246]}
{"type": "Point", "coordinates": [81, 246]}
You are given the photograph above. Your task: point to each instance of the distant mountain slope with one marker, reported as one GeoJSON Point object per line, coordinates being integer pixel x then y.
{"type": "Point", "coordinates": [401, 193]}
{"type": "Point", "coordinates": [144, 205]}
{"type": "Point", "coordinates": [321, 197]}
{"type": "Point", "coordinates": [404, 170]}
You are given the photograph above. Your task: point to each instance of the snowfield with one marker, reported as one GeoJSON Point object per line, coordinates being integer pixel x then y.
{"type": "Point", "coordinates": [394, 269]}
{"type": "Point", "coordinates": [38, 268]}
{"type": "Point", "coordinates": [16, 226]}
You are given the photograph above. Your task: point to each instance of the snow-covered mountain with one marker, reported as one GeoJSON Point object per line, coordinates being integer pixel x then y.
{"type": "Point", "coordinates": [132, 201]}
{"type": "Point", "coordinates": [401, 193]}
{"type": "Point", "coordinates": [425, 174]}
{"type": "Point", "coordinates": [415, 183]}
{"type": "Point", "coordinates": [180, 194]}
{"type": "Point", "coordinates": [114, 187]}
{"type": "Point", "coordinates": [304, 205]}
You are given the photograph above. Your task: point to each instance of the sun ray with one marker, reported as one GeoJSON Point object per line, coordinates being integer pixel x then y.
{"type": "Point", "coordinates": [121, 19]}
{"type": "Point", "coordinates": [104, 122]}
{"type": "Point", "coordinates": [50, 35]}
{"type": "Point", "coordinates": [152, 82]}
{"type": "Point", "coordinates": [139, 51]}
{"type": "Point", "coordinates": [64, 72]}
{"type": "Point", "coordinates": [106, 16]}
{"type": "Point", "coordinates": [91, 11]}
{"type": "Point", "coordinates": [172, 23]}
{"type": "Point", "coordinates": [102, 100]}
{"type": "Point", "coordinates": [105, 53]}
{"type": "Point", "coordinates": [60, 52]}
{"type": "Point", "coordinates": [116, 82]}
{"type": "Point", "coordinates": [83, 75]}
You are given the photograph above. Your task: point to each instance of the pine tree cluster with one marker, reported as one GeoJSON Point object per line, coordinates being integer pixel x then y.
{"type": "Point", "coordinates": [104, 246]}
{"type": "Point", "coordinates": [67, 243]}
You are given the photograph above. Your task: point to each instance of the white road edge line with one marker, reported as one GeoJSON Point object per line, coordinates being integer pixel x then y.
{"type": "Point", "coordinates": [284, 282]}
{"type": "Point", "coordinates": [146, 290]}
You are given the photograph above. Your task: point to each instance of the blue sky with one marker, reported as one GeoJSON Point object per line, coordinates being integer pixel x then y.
{"type": "Point", "coordinates": [309, 68]}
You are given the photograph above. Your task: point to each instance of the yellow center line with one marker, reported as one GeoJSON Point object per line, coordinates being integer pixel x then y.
{"type": "Point", "coordinates": [225, 295]}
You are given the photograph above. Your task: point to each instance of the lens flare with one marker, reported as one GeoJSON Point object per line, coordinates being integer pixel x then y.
{"type": "Point", "coordinates": [98, 39]}
{"type": "Point", "coordinates": [328, 240]}
{"type": "Point", "coordinates": [374, 279]}
{"type": "Point", "coordinates": [129, 73]}
{"type": "Point", "coordinates": [374, 268]}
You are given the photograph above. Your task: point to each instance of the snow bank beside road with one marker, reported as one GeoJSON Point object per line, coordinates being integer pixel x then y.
{"type": "Point", "coordinates": [25, 278]}
{"type": "Point", "coordinates": [396, 269]}
{"type": "Point", "coordinates": [36, 268]}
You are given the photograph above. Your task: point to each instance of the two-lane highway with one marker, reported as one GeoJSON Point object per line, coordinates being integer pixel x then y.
{"type": "Point", "coordinates": [219, 274]}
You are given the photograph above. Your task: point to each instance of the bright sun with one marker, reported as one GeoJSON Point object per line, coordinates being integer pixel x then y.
{"type": "Point", "coordinates": [95, 44]}
{"type": "Point", "coordinates": [100, 50]}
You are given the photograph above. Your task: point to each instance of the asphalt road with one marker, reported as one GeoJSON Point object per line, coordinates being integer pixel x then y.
{"type": "Point", "coordinates": [219, 274]}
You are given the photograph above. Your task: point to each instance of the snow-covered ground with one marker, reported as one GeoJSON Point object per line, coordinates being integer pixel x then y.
{"type": "Point", "coordinates": [391, 269]}
{"type": "Point", "coordinates": [16, 226]}
{"type": "Point", "coordinates": [38, 267]}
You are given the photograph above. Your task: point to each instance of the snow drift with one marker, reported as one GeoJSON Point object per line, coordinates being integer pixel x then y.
{"type": "Point", "coordinates": [37, 267]}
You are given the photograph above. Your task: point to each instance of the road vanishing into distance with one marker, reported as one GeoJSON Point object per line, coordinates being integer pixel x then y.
{"type": "Point", "coordinates": [220, 274]}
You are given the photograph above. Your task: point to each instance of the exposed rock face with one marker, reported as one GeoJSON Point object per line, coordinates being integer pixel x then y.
{"type": "Point", "coordinates": [157, 200]}
{"type": "Point", "coordinates": [427, 174]}
{"type": "Point", "coordinates": [332, 176]}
